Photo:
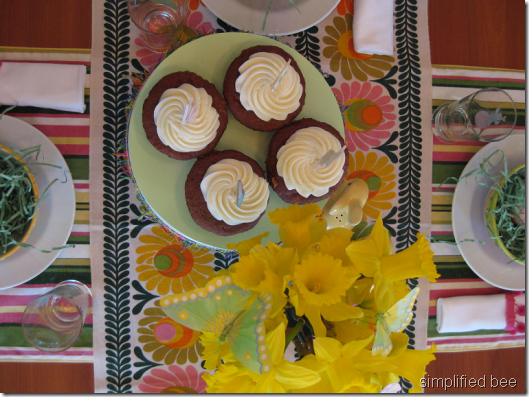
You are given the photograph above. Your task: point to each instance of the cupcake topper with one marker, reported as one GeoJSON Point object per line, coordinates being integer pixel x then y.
{"type": "Point", "coordinates": [190, 113]}
{"type": "Point", "coordinates": [281, 75]}
{"type": "Point", "coordinates": [328, 158]}
{"type": "Point", "coordinates": [240, 193]}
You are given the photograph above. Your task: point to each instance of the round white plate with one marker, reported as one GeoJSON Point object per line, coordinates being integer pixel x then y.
{"type": "Point", "coordinates": [487, 260]}
{"type": "Point", "coordinates": [282, 19]}
{"type": "Point", "coordinates": [56, 213]}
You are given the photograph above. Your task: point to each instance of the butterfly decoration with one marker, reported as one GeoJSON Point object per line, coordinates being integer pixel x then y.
{"type": "Point", "coordinates": [232, 313]}
{"type": "Point", "coordinates": [395, 319]}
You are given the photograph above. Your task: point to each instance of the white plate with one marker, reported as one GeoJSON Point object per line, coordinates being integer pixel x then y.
{"type": "Point", "coordinates": [56, 213]}
{"type": "Point", "coordinates": [487, 260]}
{"type": "Point", "coordinates": [282, 19]}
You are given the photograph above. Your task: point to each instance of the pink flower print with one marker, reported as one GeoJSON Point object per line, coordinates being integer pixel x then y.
{"type": "Point", "coordinates": [367, 113]}
{"type": "Point", "coordinates": [173, 380]}
{"type": "Point", "coordinates": [194, 21]}
{"type": "Point", "coordinates": [147, 58]}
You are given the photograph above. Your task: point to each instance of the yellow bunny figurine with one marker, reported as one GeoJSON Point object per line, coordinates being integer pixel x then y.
{"type": "Point", "coordinates": [345, 207]}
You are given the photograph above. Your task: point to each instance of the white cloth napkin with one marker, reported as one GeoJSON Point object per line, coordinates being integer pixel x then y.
{"type": "Point", "coordinates": [44, 85]}
{"type": "Point", "coordinates": [481, 312]}
{"type": "Point", "coordinates": [373, 27]}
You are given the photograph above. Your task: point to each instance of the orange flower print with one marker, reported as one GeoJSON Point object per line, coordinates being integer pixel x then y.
{"type": "Point", "coordinates": [345, 6]}
{"type": "Point", "coordinates": [170, 268]}
{"type": "Point", "coordinates": [169, 341]}
{"type": "Point", "coordinates": [340, 50]}
{"type": "Point", "coordinates": [379, 175]}
{"type": "Point", "coordinates": [193, 4]}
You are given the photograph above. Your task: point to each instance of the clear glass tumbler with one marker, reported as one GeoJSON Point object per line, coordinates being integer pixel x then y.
{"type": "Point", "coordinates": [53, 322]}
{"type": "Point", "coordinates": [487, 115]}
{"type": "Point", "coordinates": [160, 22]}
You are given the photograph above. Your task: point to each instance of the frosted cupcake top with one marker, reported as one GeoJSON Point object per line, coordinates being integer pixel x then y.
{"type": "Point", "coordinates": [185, 118]}
{"type": "Point", "coordinates": [298, 158]}
{"type": "Point", "coordinates": [269, 86]}
{"type": "Point", "coordinates": [219, 188]}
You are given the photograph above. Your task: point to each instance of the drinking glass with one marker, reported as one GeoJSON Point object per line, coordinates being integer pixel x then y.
{"type": "Point", "coordinates": [488, 115]}
{"type": "Point", "coordinates": [53, 322]}
{"type": "Point", "coordinates": [161, 22]}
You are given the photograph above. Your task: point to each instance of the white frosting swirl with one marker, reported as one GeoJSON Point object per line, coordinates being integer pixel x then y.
{"type": "Point", "coordinates": [297, 159]}
{"type": "Point", "coordinates": [256, 86]}
{"type": "Point", "coordinates": [219, 188]}
{"type": "Point", "coordinates": [179, 135]}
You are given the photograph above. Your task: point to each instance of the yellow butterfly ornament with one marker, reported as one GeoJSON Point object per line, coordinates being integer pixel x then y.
{"type": "Point", "coordinates": [395, 319]}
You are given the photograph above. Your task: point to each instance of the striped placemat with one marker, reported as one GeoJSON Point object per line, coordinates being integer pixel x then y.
{"type": "Point", "coordinates": [457, 278]}
{"type": "Point", "coordinates": [70, 133]}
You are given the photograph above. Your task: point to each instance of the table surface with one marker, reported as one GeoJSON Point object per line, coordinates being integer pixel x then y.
{"type": "Point", "coordinates": [496, 26]}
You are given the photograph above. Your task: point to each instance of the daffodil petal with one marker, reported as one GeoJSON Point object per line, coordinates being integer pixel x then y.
{"type": "Point", "coordinates": [340, 311]}
{"type": "Point", "coordinates": [296, 235]}
{"type": "Point", "coordinates": [294, 376]}
{"type": "Point", "coordinates": [366, 362]}
{"type": "Point", "coordinates": [314, 316]}
{"type": "Point", "coordinates": [362, 254]}
{"type": "Point", "coordinates": [287, 259]}
{"type": "Point", "coordinates": [343, 375]}
{"type": "Point", "coordinates": [411, 365]}
{"type": "Point", "coordinates": [380, 236]}
{"type": "Point", "coordinates": [400, 344]}
{"type": "Point", "coordinates": [293, 213]}
{"type": "Point", "coordinates": [327, 349]}
{"type": "Point", "coordinates": [275, 340]}
{"type": "Point", "coordinates": [243, 248]}
{"type": "Point", "coordinates": [352, 348]}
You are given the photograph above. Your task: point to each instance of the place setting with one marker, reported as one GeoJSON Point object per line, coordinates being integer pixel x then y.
{"type": "Point", "coordinates": [40, 85]}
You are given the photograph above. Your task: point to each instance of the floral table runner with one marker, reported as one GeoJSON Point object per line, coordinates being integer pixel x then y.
{"type": "Point", "coordinates": [69, 132]}
{"type": "Point", "coordinates": [138, 348]}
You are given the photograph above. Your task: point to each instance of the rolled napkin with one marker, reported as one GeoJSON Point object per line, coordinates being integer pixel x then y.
{"type": "Point", "coordinates": [481, 312]}
{"type": "Point", "coordinates": [44, 85]}
{"type": "Point", "coordinates": [373, 27]}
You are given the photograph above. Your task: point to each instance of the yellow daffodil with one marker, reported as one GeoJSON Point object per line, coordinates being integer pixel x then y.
{"type": "Point", "coordinates": [414, 261]}
{"type": "Point", "coordinates": [334, 242]}
{"type": "Point", "coordinates": [408, 363]}
{"type": "Point", "coordinates": [318, 287]}
{"type": "Point", "coordinates": [374, 253]}
{"type": "Point", "coordinates": [253, 273]}
{"type": "Point", "coordinates": [297, 226]}
{"type": "Point", "coordinates": [340, 373]}
{"type": "Point", "coordinates": [411, 365]}
{"type": "Point", "coordinates": [294, 213]}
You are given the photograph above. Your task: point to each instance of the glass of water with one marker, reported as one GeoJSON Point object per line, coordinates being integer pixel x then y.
{"type": "Point", "coordinates": [160, 22]}
{"type": "Point", "coordinates": [488, 115]}
{"type": "Point", "coordinates": [53, 322]}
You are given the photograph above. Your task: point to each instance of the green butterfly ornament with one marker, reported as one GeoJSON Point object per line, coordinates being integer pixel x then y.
{"type": "Point", "coordinates": [232, 313]}
{"type": "Point", "coordinates": [396, 319]}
